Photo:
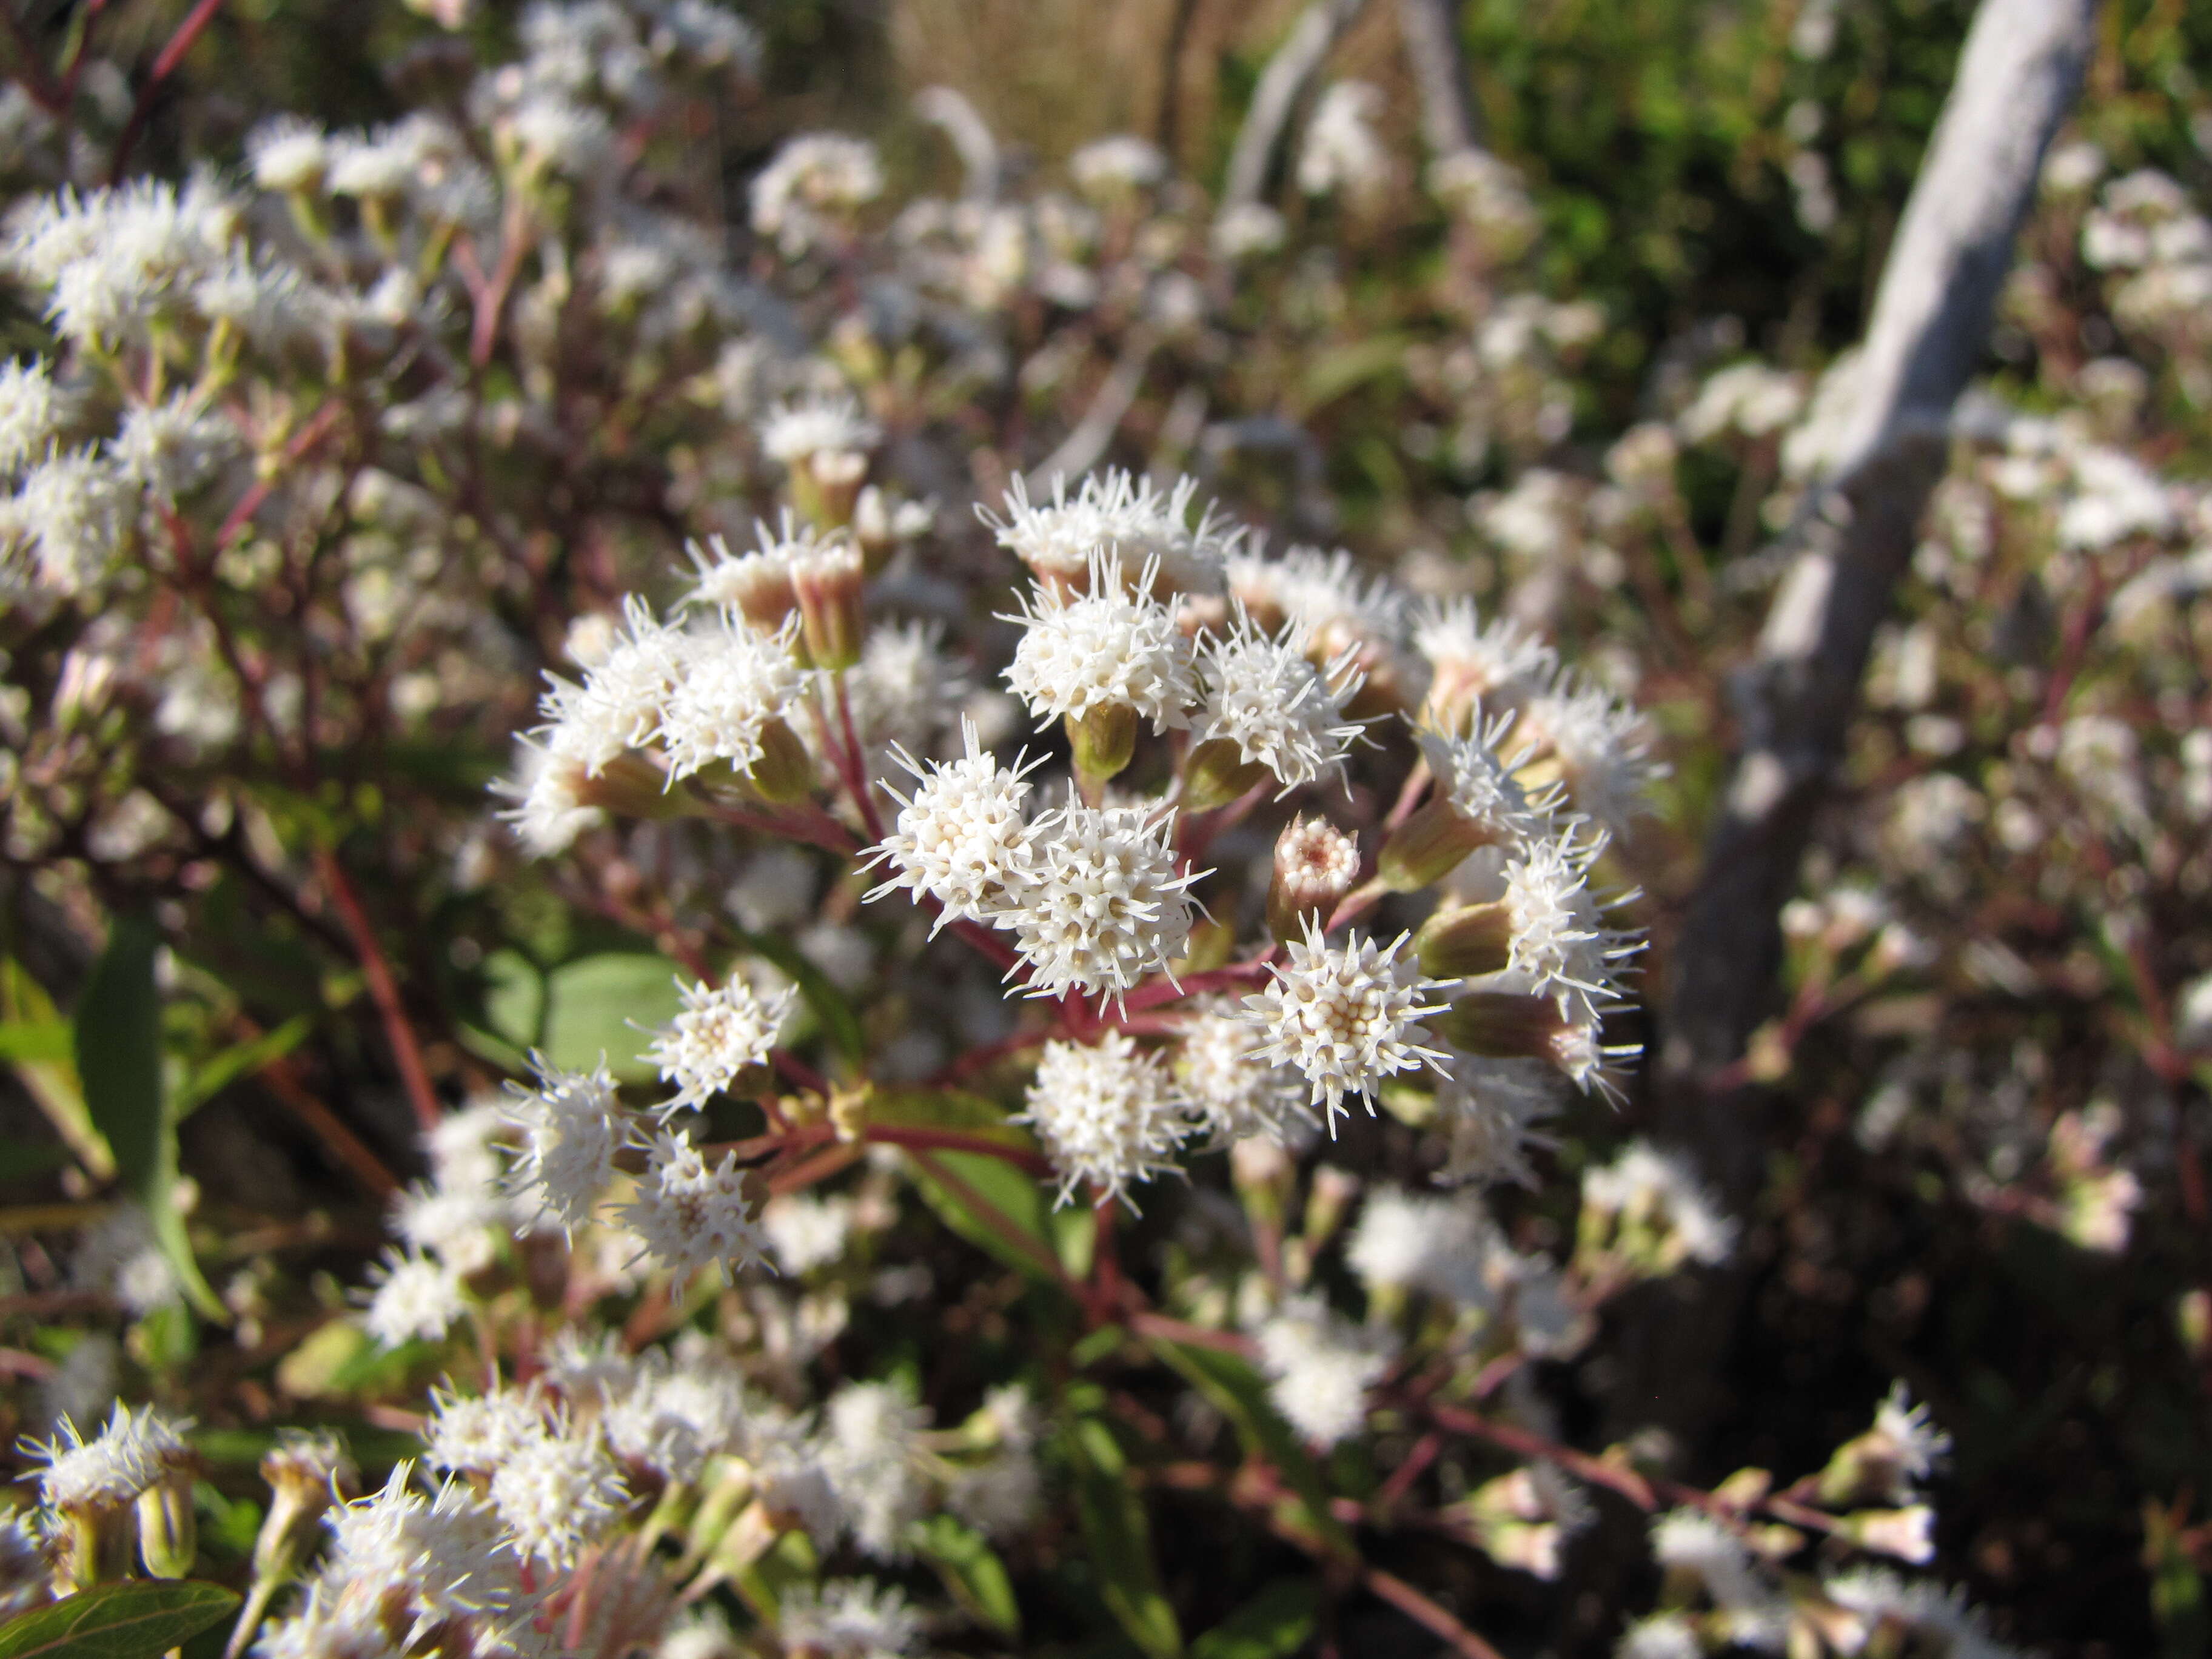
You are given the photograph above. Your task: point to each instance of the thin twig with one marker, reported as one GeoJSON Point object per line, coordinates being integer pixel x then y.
{"type": "Point", "coordinates": [172, 54]}
{"type": "Point", "coordinates": [384, 990]}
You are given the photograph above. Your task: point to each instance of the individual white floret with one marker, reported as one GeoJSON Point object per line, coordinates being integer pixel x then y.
{"type": "Point", "coordinates": [1098, 901]}
{"type": "Point", "coordinates": [414, 1297]}
{"type": "Point", "coordinates": [1646, 1188]}
{"type": "Point", "coordinates": [868, 1452]}
{"type": "Point", "coordinates": [848, 1618]}
{"type": "Point", "coordinates": [1598, 746]}
{"type": "Point", "coordinates": [571, 1125]}
{"type": "Point", "coordinates": [1320, 1367]}
{"type": "Point", "coordinates": [1108, 1114]}
{"type": "Point", "coordinates": [1341, 152]}
{"type": "Point", "coordinates": [1755, 1613]}
{"type": "Point", "coordinates": [1118, 512]}
{"type": "Point", "coordinates": [1346, 1016]}
{"type": "Point", "coordinates": [622, 700]}
{"type": "Point", "coordinates": [478, 1434]}
{"type": "Point", "coordinates": [557, 1494]}
{"type": "Point", "coordinates": [31, 412]}
{"type": "Point", "coordinates": [723, 1032]}
{"type": "Point", "coordinates": [690, 1215]}
{"type": "Point", "coordinates": [77, 506]}
{"type": "Point", "coordinates": [460, 1226]}
{"type": "Point", "coordinates": [1489, 1108]}
{"type": "Point", "coordinates": [960, 836]}
{"type": "Point", "coordinates": [551, 790]}
{"type": "Point", "coordinates": [807, 1232]}
{"type": "Point", "coordinates": [815, 177]}
{"type": "Point", "coordinates": [1917, 1448]}
{"type": "Point", "coordinates": [109, 1471]}
{"type": "Point", "coordinates": [463, 1147]}
{"type": "Point", "coordinates": [288, 154]}
{"type": "Point", "coordinates": [733, 682]}
{"type": "Point", "coordinates": [1103, 650]}
{"type": "Point", "coordinates": [1231, 1091]}
{"type": "Point", "coordinates": [1885, 1598]}
{"type": "Point", "coordinates": [1264, 695]}
{"type": "Point", "coordinates": [817, 425]}
{"type": "Point", "coordinates": [1439, 1245]}
{"type": "Point", "coordinates": [172, 449]}
{"type": "Point", "coordinates": [1118, 163]}
{"type": "Point", "coordinates": [1473, 663]}
{"type": "Point", "coordinates": [756, 584]}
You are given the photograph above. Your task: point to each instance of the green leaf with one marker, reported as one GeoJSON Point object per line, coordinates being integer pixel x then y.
{"type": "Point", "coordinates": [42, 1042]}
{"type": "Point", "coordinates": [118, 1061]}
{"type": "Point", "coordinates": [972, 1572]}
{"type": "Point", "coordinates": [25, 1160]}
{"type": "Point", "coordinates": [991, 1204]}
{"type": "Point", "coordinates": [241, 1060]}
{"type": "Point", "coordinates": [135, 1619]}
{"type": "Point", "coordinates": [52, 1083]}
{"type": "Point", "coordinates": [948, 1108]}
{"type": "Point", "coordinates": [1119, 1539]}
{"type": "Point", "coordinates": [514, 998]}
{"type": "Point", "coordinates": [825, 1001]}
{"type": "Point", "coordinates": [1234, 1389]}
{"type": "Point", "coordinates": [1273, 1625]}
{"type": "Point", "coordinates": [595, 1005]}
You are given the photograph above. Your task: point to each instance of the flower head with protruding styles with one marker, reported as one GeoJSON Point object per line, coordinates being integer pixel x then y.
{"type": "Point", "coordinates": [1470, 664]}
{"type": "Point", "coordinates": [963, 832]}
{"type": "Point", "coordinates": [1319, 1368]}
{"type": "Point", "coordinates": [414, 1297]}
{"type": "Point", "coordinates": [109, 1471]}
{"type": "Point", "coordinates": [722, 1031]}
{"type": "Point", "coordinates": [735, 681]}
{"type": "Point", "coordinates": [1476, 776]}
{"type": "Point", "coordinates": [1346, 1016]}
{"type": "Point", "coordinates": [848, 1618]}
{"type": "Point", "coordinates": [571, 1125]}
{"type": "Point", "coordinates": [690, 1215]}
{"type": "Point", "coordinates": [1150, 530]}
{"type": "Point", "coordinates": [1231, 1090]}
{"type": "Point", "coordinates": [550, 790]}
{"type": "Point", "coordinates": [814, 175]}
{"type": "Point", "coordinates": [1596, 746]}
{"type": "Point", "coordinates": [817, 425]}
{"type": "Point", "coordinates": [622, 699]}
{"type": "Point", "coordinates": [1560, 943]}
{"type": "Point", "coordinates": [1108, 1115]}
{"type": "Point", "coordinates": [1104, 650]}
{"type": "Point", "coordinates": [1264, 695]}
{"type": "Point", "coordinates": [557, 1493]}
{"type": "Point", "coordinates": [1097, 901]}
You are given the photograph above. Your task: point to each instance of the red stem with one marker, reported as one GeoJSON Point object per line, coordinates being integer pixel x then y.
{"type": "Point", "coordinates": [196, 20]}
{"type": "Point", "coordinates": [384, 990]}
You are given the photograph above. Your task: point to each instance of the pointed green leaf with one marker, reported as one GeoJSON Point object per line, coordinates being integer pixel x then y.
{"type": "Point", "coordinates": [991, 1204]}
{"type": "Point", "coordinates": [1119, 1539]}
{"type": "Point", "coordinates": [135, 1619]}
{"type": "Point", "coordinates": [606, 1007]}
{"type": "Point", "coordinates": [1273, 1625]}
{"type": "Point", "coordinates": [118, 1061]}
{"type": "Point", "coordinates": [971, 1571]}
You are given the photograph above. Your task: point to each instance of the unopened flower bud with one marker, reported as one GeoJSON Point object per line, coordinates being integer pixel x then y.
{"type": "Point", "coordinates": [837, 476]}
{"type": "Point", "coordinates": [828, 583]}
{"type": "Point", "coordinates": [631, 787]}
{"type": "Point", "coordinates": [1217, 772]}
{"type": "Point", "coordinates": [306, 1474]}
{"type": "Point", "coordinates": [785, 771]}
{"type": "Point", "coordinates": [1467, 941]}
{"type": "Point", "coordinates": [168, 1532]}
{"type": "Point", "coordinates": [1506, 1025]}
{"type": "Point", "coordinates": [1906, 1533]}
{"type": "Point", "coordinates": [1103, 740]}
{"type": "Point", "coordinates": [1428, 846]}
{"type": "Point", "coordinates": [1315, 864]}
